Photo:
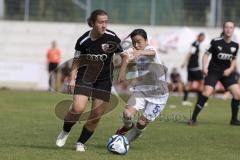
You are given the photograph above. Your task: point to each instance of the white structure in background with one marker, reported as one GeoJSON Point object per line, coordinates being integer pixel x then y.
{"type": "Point", "coordinates": [23, 47]}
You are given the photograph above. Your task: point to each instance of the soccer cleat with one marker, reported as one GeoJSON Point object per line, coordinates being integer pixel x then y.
{"type": "Point", "coordinates": [235, 123]}
{"type": "Point", "coordinates": [186, 103]}
{"type": "Point", "coordinates": [62, 138]}
{"type": "Point", "coordinates": [80, 147]}
{"type": "Point", "coordinates": [191, 122]}
{"type": "Point", "coordinates": [124, 130]}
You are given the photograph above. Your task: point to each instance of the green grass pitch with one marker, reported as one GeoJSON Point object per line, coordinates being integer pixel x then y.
{"type": "Point", "coordinates": [28, 130]}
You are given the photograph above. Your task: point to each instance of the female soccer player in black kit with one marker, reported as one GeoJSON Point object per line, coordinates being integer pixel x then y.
{"type": "Point", "coordinates": [221, 68]}
{"type": "Point", "coordinates": [193, 69]}
{"type": "Point", "coordinates": [91, 75]}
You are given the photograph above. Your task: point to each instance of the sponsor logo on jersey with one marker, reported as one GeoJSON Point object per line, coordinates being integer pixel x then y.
{"type": "Point", "coordinates": [233, 49]}
{"type": "Point", "coordinates": [224, 56]}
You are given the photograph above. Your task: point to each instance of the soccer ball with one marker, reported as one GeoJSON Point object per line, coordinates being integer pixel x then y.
{"type": "Point", "coordinates": [118, 144]}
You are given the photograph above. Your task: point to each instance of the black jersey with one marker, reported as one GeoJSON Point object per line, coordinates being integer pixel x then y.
{"type": "Point", "coordinates": [100, 50]}
{"type": "Point", "coordinates": [193, 61]}
{"type": "Point", "coordinates": [222, 54]}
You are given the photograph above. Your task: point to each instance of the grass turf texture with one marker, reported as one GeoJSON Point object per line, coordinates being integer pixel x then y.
{"type": "Point", "coordinates": [29, 129]}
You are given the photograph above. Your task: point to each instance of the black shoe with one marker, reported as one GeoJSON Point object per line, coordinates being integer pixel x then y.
{"type": "Point", "coordinates": [235, 123]}
{"type": "Point", "coordinates": [191, 122]}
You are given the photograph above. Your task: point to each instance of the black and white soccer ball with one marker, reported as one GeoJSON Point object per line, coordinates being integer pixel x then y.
{"type": "Point", "coordinates": [118, 144]}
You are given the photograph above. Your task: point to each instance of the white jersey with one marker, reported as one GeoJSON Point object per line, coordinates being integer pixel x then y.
{"type": "Point", "coordinates": [151, 69]}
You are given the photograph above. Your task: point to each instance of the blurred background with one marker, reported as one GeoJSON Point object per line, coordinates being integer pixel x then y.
{"type": "Point", "coordinates": [28, 27]}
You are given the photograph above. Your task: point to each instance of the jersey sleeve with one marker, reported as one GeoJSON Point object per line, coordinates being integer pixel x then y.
{"type": "Point", "coordinates": [192, 49]}
{"type": "Point", "coordinates": [119, 48]}
{"type": "Point", "coordinates": [236, 52]}
{"type": "Point", "coordinates": [77, 49]}
{"type": "Point", "coordinates": [211, 48]}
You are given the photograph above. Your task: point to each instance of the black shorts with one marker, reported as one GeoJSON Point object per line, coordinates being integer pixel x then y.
{"type": "Point", "coordinates": [100, 89]}
{"type": "Point", "coordinates": [195, 75]}
{"type": "Point", "coordinates": [213, 77]}
{"type": "Point", "coordinates": [52, 66]}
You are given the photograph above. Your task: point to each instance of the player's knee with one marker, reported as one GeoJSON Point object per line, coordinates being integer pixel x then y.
{"type": "Point", "coordinates": [76, 108]}
{"type": "Point", "coordinates": [236, 97]}
{"type": "Point", "coordinates": [207, 93]}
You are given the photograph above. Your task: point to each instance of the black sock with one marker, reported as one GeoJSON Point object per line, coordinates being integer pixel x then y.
{"type": "Point", "coordinates": [85, 135]}
{"type": "Point", "coordinates": [200, 104]}
{"type": "Point", "coordinates": [185, 96]}
{"type": "Point", "coordinates": [70, 120]}
{"type": "Point", "coordinates": [67, 126]}
{"type": "Point", "coordinates": [199, 93]}
{"type": "Point", "coordinates": [234, 105]}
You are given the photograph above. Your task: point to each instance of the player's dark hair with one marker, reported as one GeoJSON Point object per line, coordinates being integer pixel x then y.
{"type": "Point", "coordinates": [93, 17]}
{"type": "Point", "coordinates": [140, 32]}
{"type": "Point", "coordinates": [225, 22]}
{"type": "Point", "coordinates": [201, 34]}
{"type": "Point", "coordinates": [222, 34]}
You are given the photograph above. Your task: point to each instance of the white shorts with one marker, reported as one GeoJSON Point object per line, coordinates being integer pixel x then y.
{"type": "Point", "coordinates": [151, 106]}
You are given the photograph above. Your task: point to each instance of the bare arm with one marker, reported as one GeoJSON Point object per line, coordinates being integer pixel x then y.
{"type": "Point", "coordinates": [205, 63]}
{"type": "Point", "coordinates": [137, 53]}
{"type": "Point", "coordinates": [123, 68]}
{"type": "Point", "coordinates": [74, 69]}
{"type": "Point", "coordinates": [232, 67]}
{"type": "Point", "coordinates": [186, 60]}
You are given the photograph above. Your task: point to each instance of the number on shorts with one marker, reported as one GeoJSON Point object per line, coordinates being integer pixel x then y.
{"type": "Point", "coordinates": [156, 109]}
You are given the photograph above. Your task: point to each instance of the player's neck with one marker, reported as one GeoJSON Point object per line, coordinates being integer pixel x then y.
{"type": "Point", "coordinates": [227, 39]}
{"type": "Point", "coordinates": [94, 35]}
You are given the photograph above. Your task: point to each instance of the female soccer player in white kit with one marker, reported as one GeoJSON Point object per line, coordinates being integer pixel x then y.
{"type": "Point", "coordinates": [150, 94]}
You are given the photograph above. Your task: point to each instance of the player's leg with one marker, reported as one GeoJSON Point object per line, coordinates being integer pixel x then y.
{"type": "Point", "coordinates": [138, 129]}
{"type": "Point", "coordinates": [198, 76]}
{"type": "Point", "coordinates": [128, 115]}
{"type": "Point", "coordinates": [98, 109]}
{"type": "Point", "coordinates": [200, 87]}
{"type": "Point", "coordinates": [230, 83]}
{"type": "Point", "coordinates": [185, 96]}
{"type": "Point", "coordinates": [188, 86]}
{"type": "Point", "coordinates": [150, 113]}
{"type": "Point", "coordinates": [135, 103]}
{"type": "Point", "coordinates": [235, 91]}
{"type": "Point", "coordinates": [210, 82]}
{"type": "Point", "coordinates": [78, 106]}
{"type": "Point", "coordinates": [101, 95]}
{"type": "Point", "coordinates": [202, 99]}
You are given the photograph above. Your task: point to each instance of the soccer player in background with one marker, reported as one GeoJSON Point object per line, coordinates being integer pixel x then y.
{"type": "Point", "coordinates": [145, 56]}
{"type": "Point", "coordinates": [220, 68]}
{"type": "Point", "coordinates": [53, 60]}
{"type": "Point", "coordinates": [91, 74]}
{"type": "Point", "coordinates": [193, 69]}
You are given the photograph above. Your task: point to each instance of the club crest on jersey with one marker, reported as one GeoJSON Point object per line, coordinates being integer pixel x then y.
{"type": "Point", "coordinates": [219, 47]}
{"type": "Point", "coordinates": [109, 47]}
{"type": "Point", "coordinates": [233, 49]}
